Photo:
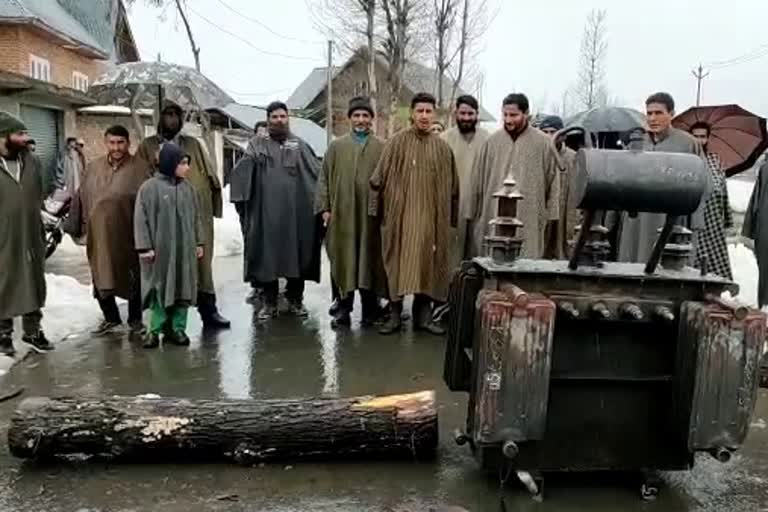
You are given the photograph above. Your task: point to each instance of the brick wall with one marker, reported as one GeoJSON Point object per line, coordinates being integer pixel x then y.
{"type": "Point", "coordinates": [17, 43]}
{"type": "Point", "coordinates": [91, 128]}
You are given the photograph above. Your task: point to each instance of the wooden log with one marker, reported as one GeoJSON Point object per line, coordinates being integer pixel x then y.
{"type": "Point", "coordinates": [153, 429]}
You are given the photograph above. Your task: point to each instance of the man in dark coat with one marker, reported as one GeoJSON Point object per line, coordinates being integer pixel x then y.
{"type": "Point", "coordinates": [274, 186]}
{"type": "Point", "coordinates": [22, 256]}
{"type": "Point", "coordinates": [202, 176]}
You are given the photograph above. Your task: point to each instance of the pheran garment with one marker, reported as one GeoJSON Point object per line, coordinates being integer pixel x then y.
{"type": "Point", "coordinates": [570, 217]}
{"type": "Point", "coordinates": [107, 197]}
{"type": "Point", "coordinates": [202, 176]}
{"type": "Point", "coordinates": [464, 147]}
{"type": "Point", "coordinates": [712, 246]}
{"type": "Point", "coordinates": [353, 238]}
{"type": "Point", "coordinates": [274, 187]}
{"type": "Point", "coordinates": [168, 222]}
{"type": "Point", "coordinates": [415, 194]}
{"type": "Point", "coordinates": [637, 236]}
{"type": "Point", "coordinates": [531, 159]}
{"type": "Point", "coordinates": [22, 254]}
{"type": "Point", "coordinates": [756, 227]}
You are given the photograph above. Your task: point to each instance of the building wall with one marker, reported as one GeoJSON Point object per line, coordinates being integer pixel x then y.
{"type": "Point", "coordinates": [91, 128]}
{"type": "Point", "coordinates": [18, 42]}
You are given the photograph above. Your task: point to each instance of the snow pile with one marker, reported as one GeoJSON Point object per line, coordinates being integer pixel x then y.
{"type": "Point", "coordinates": [744, 268]}
{"type": "Point", "coordinates": [739, 192]}
{"type": "Point", "coordinates": [228, 238]}
{"type": "Point", "coordinates": [69, 308]}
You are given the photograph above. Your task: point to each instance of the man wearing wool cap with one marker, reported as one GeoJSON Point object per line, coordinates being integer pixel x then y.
{"type": "Point", "coordinates": [353, 238]}
{"type": "Point", "coordinates": [22, 257]}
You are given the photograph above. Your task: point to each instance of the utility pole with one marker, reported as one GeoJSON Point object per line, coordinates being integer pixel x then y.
{"type": "Point", "coordinates": [329, 96]}
{"type": "Point", "coordinates": [700, 75]}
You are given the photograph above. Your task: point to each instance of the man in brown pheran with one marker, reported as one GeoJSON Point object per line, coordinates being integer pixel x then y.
{"type": "Point", "coordinates": [202, 176]}
{"type": "Point", "coordinates": [107, 197]}
{"type": "Point", "coordinates": [415, 193]}
{"type": "Point", "coordinates": [353, 239]}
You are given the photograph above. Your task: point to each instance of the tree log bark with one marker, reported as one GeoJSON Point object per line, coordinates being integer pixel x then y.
{"type": "Point", "coordinates": [143, 429]}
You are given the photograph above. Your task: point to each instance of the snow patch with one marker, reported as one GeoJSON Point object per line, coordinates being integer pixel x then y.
{"type": "Point", "coordinates": [228, 237]}
{"type": "Point", "coordinates": [739, 192]}
{"type": "Point", "coordinates": [745, 274]}
{"type": "Point", "coordinates": [69, 308]}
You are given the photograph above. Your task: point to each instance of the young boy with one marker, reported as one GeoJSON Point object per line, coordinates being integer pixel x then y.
{"type": "Point", "coordinates": [169, 240]}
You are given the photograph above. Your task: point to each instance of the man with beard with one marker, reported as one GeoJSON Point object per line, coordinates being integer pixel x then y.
{"type": "Point", "coordinates": [530, 157]}
{"type": "Point", "coordinates": [465, 140]}
{"type": "Point", "coordinates": [637, 236]}
{"type": "Point", "coordinates": [107, 198]}
{"type": "Point", "coordinates": [202, 176]}
{"type": "Point", "coordinates": [353, 238]}
{"type": "Point", "coordinates": [274, 185]}
{"type": "Point", "coordinates": [569, 218]}
{"type": "Point", "coordinates": [22, 256]}
{"type": "Point", "coordinates": [415, 191]}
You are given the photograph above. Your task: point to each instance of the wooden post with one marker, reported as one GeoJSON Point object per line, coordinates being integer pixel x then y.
{"type": "Point", "coordinates": [140, 429]}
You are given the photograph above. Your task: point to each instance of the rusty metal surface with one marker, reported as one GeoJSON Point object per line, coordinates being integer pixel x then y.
{"type": "Point", "coordinates": [462, 295]}
{"type": "Point", "coordinates": [720, 354]}
{"type": "Point", "coordinates": [513, 352]}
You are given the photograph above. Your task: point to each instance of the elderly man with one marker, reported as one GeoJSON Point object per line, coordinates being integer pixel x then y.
{"type": "Point", "coordinates": [202, 176]}
{"type": "Point", "coordinates": [274, 186]}
{"type": "Point", "coordinates": [353, 238]}
{"type": "Point", "coordinates": [415, 191]}
{"type": "Point", "coordinates": [107, 198]}
{"type": "Point", "coordinates": [530, 157]}
{"type": "Point", "coordinates": [22, 256]}
{"type": "Point", "coordinates": [637, 236]}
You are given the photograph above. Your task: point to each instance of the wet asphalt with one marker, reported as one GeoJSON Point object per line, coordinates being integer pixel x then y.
{"type": "Point", "coordinates": [295, 358]}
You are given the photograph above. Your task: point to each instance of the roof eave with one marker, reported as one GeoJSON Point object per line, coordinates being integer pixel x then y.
{"type": "Point", "coordinates": [69, 42]}
{"type": "Point", "coordinates": [15, 82]}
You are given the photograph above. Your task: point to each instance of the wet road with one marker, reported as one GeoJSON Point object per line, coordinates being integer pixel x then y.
{"type": "Point", "coordinates": [289, 359]}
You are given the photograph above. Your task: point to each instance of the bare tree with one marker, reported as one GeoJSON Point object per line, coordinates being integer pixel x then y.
{"type": "Point", "coordinates": [590, 88]}
{"type": "Point", "coordinates": [181, 8]}
{"type": "Point", "coordinates": [474, 23]}
{"type": "Point", "coordinates": [445, 16]}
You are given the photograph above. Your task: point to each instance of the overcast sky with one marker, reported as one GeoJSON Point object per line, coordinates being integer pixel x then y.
{"type": "Point", "coordinates": [531, 46]}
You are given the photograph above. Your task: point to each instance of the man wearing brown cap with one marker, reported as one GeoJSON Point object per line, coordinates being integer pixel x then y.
{"type": "Point", "coordinates": [353, 237]}
{"type": "Point", "coordinates": [22, 257]}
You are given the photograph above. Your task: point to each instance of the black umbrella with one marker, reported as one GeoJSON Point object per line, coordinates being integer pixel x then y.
{"type": "Point", "coordinates": [608, 119]}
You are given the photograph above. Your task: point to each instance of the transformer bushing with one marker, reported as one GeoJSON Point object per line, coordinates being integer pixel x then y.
{"type": "Point", "coordinates": [596, 248]}
{"type": "Point", "coordinates": [677, 250]}
{"type": "Point", "coordinates": [504, 242]}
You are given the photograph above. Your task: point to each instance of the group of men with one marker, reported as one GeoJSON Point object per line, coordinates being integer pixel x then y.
{"type": "Point", "coordinates": [102, 214]}
{"type": "Point", "coordinates": [398, 216]}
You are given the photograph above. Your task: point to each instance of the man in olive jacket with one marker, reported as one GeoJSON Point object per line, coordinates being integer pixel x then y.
{"type": "Point", "coordinates": [22, 257]}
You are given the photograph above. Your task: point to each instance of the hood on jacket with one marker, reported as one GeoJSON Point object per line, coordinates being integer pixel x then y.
{"type": "Point", "coordinates": [172, 106]}
{"type": "Point", "coordinates": [170, 157]}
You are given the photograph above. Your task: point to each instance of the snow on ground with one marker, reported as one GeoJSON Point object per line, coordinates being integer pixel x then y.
{"type": "Point", "coordinates": [744, 268]}
{"type": "Point", "coordinates": [69, 308]}
{"type": "Point", "coordinates": [739, 192]}
{"type": "Point", "coordinates": [228, 239]}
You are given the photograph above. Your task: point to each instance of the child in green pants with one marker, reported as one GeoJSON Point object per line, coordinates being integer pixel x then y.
{"type": "Point", "coordinates": [169, 240]}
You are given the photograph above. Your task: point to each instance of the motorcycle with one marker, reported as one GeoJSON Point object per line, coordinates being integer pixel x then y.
{"type": "Point", "coordinates": [55, 210]}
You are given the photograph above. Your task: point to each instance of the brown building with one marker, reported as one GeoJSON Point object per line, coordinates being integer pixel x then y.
{"type": "Point", "coordinates": [50, 52]}
{"type": "Point", "coordinates": [309, 99]}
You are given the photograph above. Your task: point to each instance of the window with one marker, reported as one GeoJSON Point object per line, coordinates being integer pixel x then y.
{"type": "Point", "coordinates": [79, 81]}
{"type": "Point", "coordinates": [39, 68]}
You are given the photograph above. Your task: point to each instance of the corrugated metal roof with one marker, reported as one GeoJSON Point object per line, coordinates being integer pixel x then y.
{"type": "Point", "coordinates": [416, 77]}
{"type": "Point", "coordinates": [309, 89]}
{"type": "Point", "coordinates": [53, 15]}
{"type": "Point", "coordinates": [248, 116]}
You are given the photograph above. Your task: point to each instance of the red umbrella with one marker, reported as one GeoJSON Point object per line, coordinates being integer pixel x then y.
{"type": "Point", "coordinates": [739, 137]}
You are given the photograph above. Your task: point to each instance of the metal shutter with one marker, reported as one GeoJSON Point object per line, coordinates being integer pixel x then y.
{"type": "Point", "coordinates": [43, 126]}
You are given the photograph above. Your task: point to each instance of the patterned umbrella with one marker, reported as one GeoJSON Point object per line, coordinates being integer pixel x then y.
{"type": "Point", "coordinates": [146, 84]}
{"type": "Point", "coordinates": [607, 119]}
{"type": "Point", "coordinates": [737, 136]}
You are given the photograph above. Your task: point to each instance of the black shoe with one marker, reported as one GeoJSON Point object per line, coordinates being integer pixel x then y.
{"type": "Point", "coordinates": [341, 319]}
{"type": "Point", "coordinates": [152, 340]}
{"type": "Point", "coordinates": [431, 328]}
{"type": "Point", "coordinates": [216, 321]}
{"type": "Point", "coordinates": [335, 305]}
{"type": "Point", "coordinates": [177, 338]}
{"type": "Point", "coordinates": [105, 327]}
{"type": "Point", "coordinates": [391, 326]}
{"type": "Point", "coordinates": [6, 346]}
{"type": "Point", "coordinates": [297, 309]}
{"type": "Point", "coordinates": [37, 342]}
{"type": "Point", "coordinates": [266, 313]}
{"type": "Point", "coordinates": [136, 327]}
